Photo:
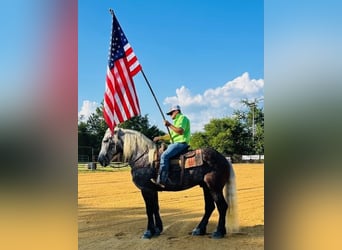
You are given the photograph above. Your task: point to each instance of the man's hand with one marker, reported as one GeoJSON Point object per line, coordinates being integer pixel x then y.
{"type": "Point", "coordinates": [167, 123]}
{"type": "Point", "coordinates": [157, 138]}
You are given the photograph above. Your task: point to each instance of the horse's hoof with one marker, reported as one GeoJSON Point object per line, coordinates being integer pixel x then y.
{"type": "Point", "coordinates": [157, 232]}
{"type": "Point", "coordinates": [217, 235]}
{"type": "Point", "coordinates": [147, 235]}
{"type": "Point", "coordinates": [197, 231]}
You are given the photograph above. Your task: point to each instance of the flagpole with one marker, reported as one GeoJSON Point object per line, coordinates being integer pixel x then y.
{"type": "Point", "coordinates": [155, 98]}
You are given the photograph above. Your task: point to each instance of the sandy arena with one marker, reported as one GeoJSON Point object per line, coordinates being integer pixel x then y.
{"type": "Point", "coordinates": [111, 213]}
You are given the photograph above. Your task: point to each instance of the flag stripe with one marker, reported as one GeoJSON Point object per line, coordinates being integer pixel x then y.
{"type": "Point", "coordinates": [132, 60]}
{"type": "Point", "coordinates": [131, 93]}
{"type": "Point", "coordinates": [120, 89]}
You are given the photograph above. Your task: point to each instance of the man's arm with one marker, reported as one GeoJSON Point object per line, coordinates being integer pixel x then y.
{"type": "Point", "coordinates": [178, 130]}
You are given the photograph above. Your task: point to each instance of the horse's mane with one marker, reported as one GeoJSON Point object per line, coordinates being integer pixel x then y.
{"type": "Point", "coordinates": [136, 143]}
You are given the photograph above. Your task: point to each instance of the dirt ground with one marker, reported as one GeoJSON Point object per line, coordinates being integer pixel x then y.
{"type": "Point", "coordinates": [111, 213]}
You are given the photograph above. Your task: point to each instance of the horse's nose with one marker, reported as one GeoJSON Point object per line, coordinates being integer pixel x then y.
{"type": "Point", "coordinates": [102, 160]}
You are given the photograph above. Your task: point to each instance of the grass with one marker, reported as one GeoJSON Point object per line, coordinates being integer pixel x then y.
{"type": "Point", "coordinates": [113, 167]}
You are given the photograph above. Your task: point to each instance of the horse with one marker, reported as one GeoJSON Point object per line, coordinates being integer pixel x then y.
{"type": "Point", "coordinates": [215, 176]}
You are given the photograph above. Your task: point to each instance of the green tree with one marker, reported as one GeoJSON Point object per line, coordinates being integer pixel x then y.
{"type": "Point", "coordinates": [198, 140]}
{"type": "Point", "coordinates": [91, 132]}
{"type": "Point", "coordinates": [142, 124]}
{"type": "Point", "coordinates": [226, 135]}
{"type": "Point", "coordinates": [96, 124]}
{"type": "Point", "coordinates": [86, 141]}
{"type": "Point", "coordinates": [259, 132]}
{"type": "Point", "coordinates": [243, 133]}
{"type": "Point", "coordinates": [254, 121]}
{"type": "Point", "coordinates": [234, 135]}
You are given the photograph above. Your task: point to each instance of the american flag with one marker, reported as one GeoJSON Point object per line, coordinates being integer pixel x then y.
{"type": "Point", "coordinates": [120, 99]}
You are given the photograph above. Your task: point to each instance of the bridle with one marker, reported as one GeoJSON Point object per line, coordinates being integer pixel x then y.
{"type": "Point", "coordinates": [139, 157]}
{"type": "Point", "coordinates": [111, 142]}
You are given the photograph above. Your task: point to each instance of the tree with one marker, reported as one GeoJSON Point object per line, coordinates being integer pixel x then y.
{"type": "Point", "coordinates": [142, 124]}
{"type": "Point", "coordinates": [254, 119]}
{"type": "Point", "coordinates": [85, 141]}
{"type": "Point", "coordinates": [91, 132]}
{"type": "Point", "coordinates": [234, 135]}
{"type": "Point", "coordinates": [96, 123]}
{"type": "Point", "coordinates": [226, 135]}
{"type": "Point", "coordinates": [198, 140]}
{"type": "Point", "coordinates": [243, 133]}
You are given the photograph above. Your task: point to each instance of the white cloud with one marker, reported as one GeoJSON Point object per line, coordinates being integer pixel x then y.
{"type": "Point", "coordinates": [88, 107]}
{"type": "Point", "coordinates": [216, 103]}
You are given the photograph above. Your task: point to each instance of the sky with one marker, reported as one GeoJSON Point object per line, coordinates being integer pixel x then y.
{"type": "Point", "coordinates": [205, 55]}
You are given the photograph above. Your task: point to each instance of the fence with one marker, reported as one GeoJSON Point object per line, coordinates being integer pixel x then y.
{"type": "Point", "coordinates": [233, 159]}
{"type": "Point", "coordinates": [83, 158]}
{"type": "Point", "coordinates": [252, 158]}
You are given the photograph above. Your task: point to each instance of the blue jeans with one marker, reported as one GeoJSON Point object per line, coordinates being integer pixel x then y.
{"type": "Point", "coordinates": [171, 151]}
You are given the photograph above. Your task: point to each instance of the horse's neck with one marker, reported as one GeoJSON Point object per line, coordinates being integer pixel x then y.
{"type": "Point", "coordinates": [138, 149]}
{"type": "Point", "coordinates": [132, 155]}
{"type": "Point", "coordinates": [143, 158]}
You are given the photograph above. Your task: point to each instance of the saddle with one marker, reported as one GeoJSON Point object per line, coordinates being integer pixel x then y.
{"type": "Point", "coordinates": [185, 160]}
{"type": "Point", "coordinates": [190, 159]}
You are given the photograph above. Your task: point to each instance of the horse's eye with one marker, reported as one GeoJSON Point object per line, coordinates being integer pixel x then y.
{"type": "Point", "coordinates": [105, 141]}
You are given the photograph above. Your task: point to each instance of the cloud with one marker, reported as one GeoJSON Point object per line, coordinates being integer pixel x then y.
{"type": "Point", "coordinates": [88, 107]}
{"type": "Point", "coordinates": [216, 103]}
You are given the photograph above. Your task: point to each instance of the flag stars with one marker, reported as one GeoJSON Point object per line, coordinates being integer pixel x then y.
{"type": "Point", "coordinates": [117, 44]}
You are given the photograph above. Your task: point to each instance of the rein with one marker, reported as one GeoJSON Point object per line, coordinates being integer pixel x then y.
{"type": "Point", "coordinates": [139, 157]}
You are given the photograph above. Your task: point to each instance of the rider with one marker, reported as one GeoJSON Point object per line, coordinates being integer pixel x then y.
{"type": "Point", "coordinates": [180, 134]}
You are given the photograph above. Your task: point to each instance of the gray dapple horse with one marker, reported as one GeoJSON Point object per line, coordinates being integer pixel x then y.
{"type": "Point", "coordinates": [216, 177]}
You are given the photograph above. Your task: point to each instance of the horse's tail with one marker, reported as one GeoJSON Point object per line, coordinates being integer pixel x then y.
{"type": "Point", "coordinates": [232, 220]}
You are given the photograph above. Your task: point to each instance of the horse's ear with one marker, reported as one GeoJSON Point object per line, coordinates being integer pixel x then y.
{"type": "Point", "coordinates": [108, 133]}
{"type": "Point", "coordinates": [120, 132]}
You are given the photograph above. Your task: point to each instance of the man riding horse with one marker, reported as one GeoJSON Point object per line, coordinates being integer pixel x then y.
{"type": "Point", "coordinates": [180, 138]}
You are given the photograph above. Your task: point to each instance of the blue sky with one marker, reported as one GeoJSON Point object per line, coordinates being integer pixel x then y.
{"type": "Point", "coordinates": [203, 55]}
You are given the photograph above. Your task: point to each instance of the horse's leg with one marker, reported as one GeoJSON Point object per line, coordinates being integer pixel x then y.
{"type": "Point", "coordinates": [209, 208]}
{"type": "Point", "coordinates": [222, 209]}
{"type": "Point", "coordinates": [151, 204]}
{"type": "Point", "coordinates": [158, 222]}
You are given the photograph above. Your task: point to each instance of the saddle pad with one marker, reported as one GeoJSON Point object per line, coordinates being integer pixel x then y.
{"type": "Point", "coordinates": [193, 159]}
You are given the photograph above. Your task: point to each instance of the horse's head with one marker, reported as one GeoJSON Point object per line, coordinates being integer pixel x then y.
{"type": "Point", "coordinates": [111, 147]}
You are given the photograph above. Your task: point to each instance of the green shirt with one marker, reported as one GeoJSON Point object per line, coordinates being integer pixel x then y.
{"type": "Point", "coordinates": [181, 121]}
